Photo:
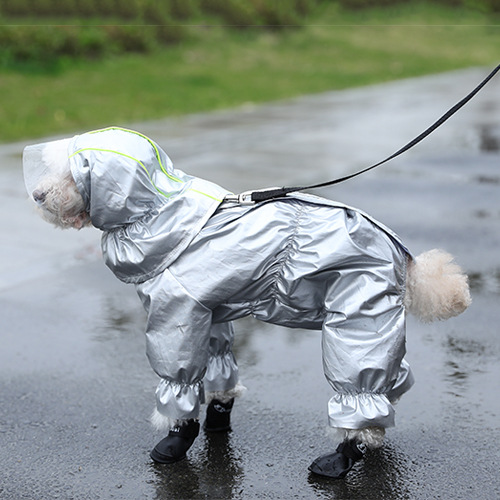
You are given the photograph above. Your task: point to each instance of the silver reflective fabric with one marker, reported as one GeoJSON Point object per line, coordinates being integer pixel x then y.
{"type": "Point", "coordinates": [148, 210]}
{"type": "Point", "coordinates": [198, 263]}
{"type": "Point", "coordinates": [298, 262]}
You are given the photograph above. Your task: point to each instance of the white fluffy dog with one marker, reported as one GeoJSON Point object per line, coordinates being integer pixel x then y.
{"type": "Point", "coordinates": [435, 288]}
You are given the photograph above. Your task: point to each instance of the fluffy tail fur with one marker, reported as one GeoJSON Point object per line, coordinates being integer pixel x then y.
{"type": "Point", "coordinates": [436, 287]}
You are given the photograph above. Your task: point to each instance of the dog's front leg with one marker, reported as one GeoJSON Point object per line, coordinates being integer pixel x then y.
{"type": "Point", "coordinates": [177, 345]}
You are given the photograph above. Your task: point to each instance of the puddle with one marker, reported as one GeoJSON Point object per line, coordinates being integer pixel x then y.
{"type": "Point", "coordinates": [464, 356]}
{"type": "Point", "coordinates": [489, 138]}
{"type": "Point", "coordinates": [488, 179]}
{"type": "Point", "coordinates": [485, 282]}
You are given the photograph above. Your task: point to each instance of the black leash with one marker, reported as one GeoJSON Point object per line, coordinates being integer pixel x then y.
{"type": "Point", "coordinates": [268, 194]}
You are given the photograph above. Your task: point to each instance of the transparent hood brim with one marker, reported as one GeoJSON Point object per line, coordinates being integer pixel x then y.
{"type": "Point", "coordinates": [44, 164]}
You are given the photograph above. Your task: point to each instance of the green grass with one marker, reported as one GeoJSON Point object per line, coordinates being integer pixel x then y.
{"type": "Point", "coordinates": [220, 68]}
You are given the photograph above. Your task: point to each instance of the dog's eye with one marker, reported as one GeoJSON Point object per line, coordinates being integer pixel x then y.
{"type": "Point", "coordinates": [38, 196]}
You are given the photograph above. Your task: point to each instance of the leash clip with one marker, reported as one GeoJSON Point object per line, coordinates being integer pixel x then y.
{"type": "Point", "coordinates": [247, 198]}
{"type": "Point", "coordinates": [244, 198]}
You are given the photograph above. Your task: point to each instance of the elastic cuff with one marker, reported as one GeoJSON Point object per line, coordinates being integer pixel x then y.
{"type": "Point", "coordinates": [357, 411]}
{"type": "Point", "coordinates": [176, 401]}
{"type": "Point", "coordinates": [222, 373]}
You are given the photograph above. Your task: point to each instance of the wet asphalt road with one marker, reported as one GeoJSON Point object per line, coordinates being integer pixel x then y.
{"type": "Point", "coordinates": [76, 388]}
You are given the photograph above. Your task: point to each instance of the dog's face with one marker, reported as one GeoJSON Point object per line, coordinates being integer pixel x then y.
{"type": "Point", "coordinates": [60, 203]}
{"type": "Point", "coordinates": [49, 183]}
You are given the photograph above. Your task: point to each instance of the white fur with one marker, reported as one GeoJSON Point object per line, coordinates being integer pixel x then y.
{"type": "Point", "coordinates": [371, 437]}
{"type": "Point", "coordinates": [162, 423]}
{"type": "Point", "coordinates": [62, 205]}
{"type": "Point", "coordinates": [436, 287]}
{"type": "Point", "coordinates": [225, 396]}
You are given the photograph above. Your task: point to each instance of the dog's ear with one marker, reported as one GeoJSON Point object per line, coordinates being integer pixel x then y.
{"type": "Point", "coordinates": [78, 221]}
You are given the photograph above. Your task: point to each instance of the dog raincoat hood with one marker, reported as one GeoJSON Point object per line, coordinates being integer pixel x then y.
{"type": "Point", "coordinates": [148, 210]}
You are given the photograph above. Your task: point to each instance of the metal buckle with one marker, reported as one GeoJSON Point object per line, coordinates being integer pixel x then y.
{"type": "Point", "coordinates": [242, 198]}
{"type": "Point", "coordinates": [245, 198]}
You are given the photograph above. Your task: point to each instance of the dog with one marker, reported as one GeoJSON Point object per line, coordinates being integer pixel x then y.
{"type": "Point", "coordinates": [200, 259]}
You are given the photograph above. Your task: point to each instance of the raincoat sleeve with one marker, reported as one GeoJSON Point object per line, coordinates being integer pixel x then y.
{"type": "Point", "coordinates": [192, 355]}
{"type": "Point", "coordinates": [222, 371]}
{"type": "Point", "coordinates": [177, 345]}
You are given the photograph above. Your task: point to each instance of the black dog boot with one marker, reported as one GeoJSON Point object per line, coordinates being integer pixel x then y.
{"type": "Point", "coordinates": [174, 447]}
{"type": "Point", "coordinates": [337, 465]}
{"type": "Point", "coordinates": [218, 416]}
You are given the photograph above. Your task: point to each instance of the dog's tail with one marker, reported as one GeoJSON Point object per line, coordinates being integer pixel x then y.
{"type": "Point", "coordinates": [436, 287]}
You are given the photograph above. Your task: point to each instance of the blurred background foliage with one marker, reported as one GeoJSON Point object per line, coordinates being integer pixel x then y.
{"type": "Point", "coordinates": [72, 64]}
{"type": "Point", "coordinates": [94, 28]}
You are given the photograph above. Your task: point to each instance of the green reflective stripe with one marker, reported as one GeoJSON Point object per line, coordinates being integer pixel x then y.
{"type": "Point", "coordinates": [126, 156]}
{"type": "Point", "coordinates": [205, 194]}
{"type": "Point", "coordinates": [157, 153]}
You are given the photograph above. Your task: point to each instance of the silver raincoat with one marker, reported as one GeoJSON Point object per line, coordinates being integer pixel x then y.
{"type": "Point", "coordinates": [198, 262]}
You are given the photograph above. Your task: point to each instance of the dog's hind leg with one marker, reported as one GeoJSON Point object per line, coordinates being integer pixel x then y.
{"type": "Point", "coordinates": [363, 341]}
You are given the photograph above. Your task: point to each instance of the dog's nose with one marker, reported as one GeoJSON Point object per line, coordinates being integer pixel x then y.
{"type": "Point", "coordinates": [38, 196]}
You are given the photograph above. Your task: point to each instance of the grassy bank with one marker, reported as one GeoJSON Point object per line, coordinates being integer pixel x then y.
{"type": "Point", "coordinates": [220, 68]}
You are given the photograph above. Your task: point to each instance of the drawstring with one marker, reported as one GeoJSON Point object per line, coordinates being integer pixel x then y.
{"type": "Point", "coordinates": [250, 197]}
